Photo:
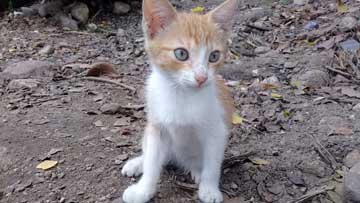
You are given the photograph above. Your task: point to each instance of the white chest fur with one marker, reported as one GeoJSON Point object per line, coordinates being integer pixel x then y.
{"type": "Point", "coordinates": [170, 105]}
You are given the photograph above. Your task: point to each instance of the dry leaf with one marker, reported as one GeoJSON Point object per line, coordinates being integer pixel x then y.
{"type": "Point", "coordinates": [99, 69]}
{"type": "Point", "coordinates": [276, 96]}
{"type": "Point", "coordinates": [343, 131]}
{"type": "Point", "coordinates": [236, 119]}
{"type": "Point", "coordinates": [268, 86]}
{"type": "Point", "coordinates": [341, 6]}
{"type": "Point", "coordinates": [259, 161]}
{"type": "Point", "coordinates": [198, 9]}
{"type": "Point", "coordinates": [47, 164]}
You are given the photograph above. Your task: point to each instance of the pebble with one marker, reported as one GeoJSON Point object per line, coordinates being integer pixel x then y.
{"type": "Point", "coordinates": [348, 23]}
{"type": "Point", "coordinates": [350, 45]}
{"type": "Point", "coordinates": [80, 12]}
{"type": "Point", "coordinates": [27, 69]}
{"type": "Point", "coordinates": [111, 108]}
{"type": "Point", "coordinates": [352, 184]}
{"type": "Point", "coordinates": [46, 50]}
{"type": "Point", "coordinates": [299, 2]}
{"type": "Point", "coordinates": [23, 83]}
{"type": "Point", "coordinates": [67, 22]}
{"type": "Point", "coordinates": [99, 123]}
{"type": "Point", "coordinates": [121, 8]}
{"type": "Point", "coordinates": [352, 158]}
{"type": "Point", "coordinates": [356, 108]}
{"type": "Point", "coordinates": [92, 27]}
{"type": "Point", "coordinates": [121, 122]}
{"type": "Point", "coordinates": [313, 78]}
{"type": "Point", "coordinates": [261, 50]}
{"type": "Point", "coordinates": [296, 177]}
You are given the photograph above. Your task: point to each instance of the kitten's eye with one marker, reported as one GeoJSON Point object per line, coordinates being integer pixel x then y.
{"type": "Point", "coordinates": [181, 54]}
{"type": "Point", "coordinates": [214, 56]}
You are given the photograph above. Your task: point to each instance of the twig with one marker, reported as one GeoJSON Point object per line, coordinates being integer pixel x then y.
{"type": "Point", "coordinates": [324, 152]}
{"type": "Point", "coordinates": [136, 107]}
{"type": "Point", "coordinates": [313, 194]}
{"type": "Point", "coordinates": [111, 82]}
{"type": "Point", "coordinates": [46, 100]}
{"type": "Point", "coordinates": [229, 162]}
{"type": "Point", "coordinates": [338, 71]}
{"type": "Point", "coordinates": [264, 29]}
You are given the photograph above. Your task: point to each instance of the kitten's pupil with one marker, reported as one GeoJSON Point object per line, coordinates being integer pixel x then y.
{"type": "Point", "coordinates": [181, 54]}
{"type": "Point", "coordinates": [214, 56]}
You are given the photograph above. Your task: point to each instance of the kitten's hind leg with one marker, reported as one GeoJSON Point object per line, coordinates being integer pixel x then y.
{"type": "Point", "coordinates": [133, 167]}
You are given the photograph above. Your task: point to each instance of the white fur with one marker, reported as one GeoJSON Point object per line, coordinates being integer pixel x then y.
{"type": "Point", "coordinates": [186, 125]}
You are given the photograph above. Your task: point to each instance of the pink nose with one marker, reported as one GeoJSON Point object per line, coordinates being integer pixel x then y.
{"type": "Point", "coordinates": [200, 79]}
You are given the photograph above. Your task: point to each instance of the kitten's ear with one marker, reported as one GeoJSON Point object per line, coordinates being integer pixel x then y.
{"type": "Point", "coordinates": [157, 15]}
{"type": "Point", "coordinates": [223, 15]}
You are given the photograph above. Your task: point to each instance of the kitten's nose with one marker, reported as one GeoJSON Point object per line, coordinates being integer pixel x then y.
{"type": "Point", "coordinates": [200, 79]}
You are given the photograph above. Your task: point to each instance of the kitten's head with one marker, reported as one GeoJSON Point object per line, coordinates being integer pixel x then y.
{"type": "Point", "coordinates": [187, 47]}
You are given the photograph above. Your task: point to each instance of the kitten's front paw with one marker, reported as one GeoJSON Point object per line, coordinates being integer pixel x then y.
{"type": "Point", "coordinates": [210, 194]}
{"type": "Point", "coordinates": [137, 194]}
{"type": "Point", "coordinates": [133, 167]}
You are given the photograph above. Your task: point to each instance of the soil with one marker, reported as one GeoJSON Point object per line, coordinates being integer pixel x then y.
{"type": "Point", "coordinates": [292, 140]}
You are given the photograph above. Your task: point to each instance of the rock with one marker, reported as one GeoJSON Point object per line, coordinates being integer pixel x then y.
{"type": "Point", "coordinates": [28, 11]}
{"type": "Point", "coordinates": [296, 177]}
{"type": "Point", "coordinates": [121, 8]}
{"type": "Point", "coordinates": [50, 8]}
{"type": "Point", "coordinates": [299, 2]}
{"type": "Point", "coordinates": [356, 108]}
{"type": "Point", "coordinates": [121, 158]}
{"type": "Point", "coordinates": [234, 186]}
{"type": "Point", "coordinates": [46, 50]}
{"type": "Point", "coordinates": [290, 64]}
{"type": "Point", "coordinates": [352, 184]}
{"type": "Point", "coordinates": [350, 45]}
{"type": "Point", "coordinates": [311, 25]}
{"type": "Point", "coordinates": [255, 14]}
{"type": "Point", "coordinates": [111, 108]}
{"type": "Point", "coordinates": [312, 78]}
{"type": "Point", "coordinates": [27, 69]}
{"type": "Point", "coordinates": [66, 22]}
{"type": "Point", "coordinates": [23, 186]}
{"type": "Point", "coordinates": [352, 158]}
{"type": "Point", "coordinates": [348, 23]}
{"type": "Point", "coordinates": [23, 83]}
{"type": "Point", "coordinates": [80, 12]}
{"type": "Point", "coordinates": [121, 122]}
{"type": "Point", "coordinates": [99, 123]}
{"type": "Point", "coordinates": [273, 80]}
{"type": "Point", "coordinates": [261, 50]}
{"type": "Point", "coordinates": [120, 33]}
{"type": "Point", "coordinates": [92, 27]}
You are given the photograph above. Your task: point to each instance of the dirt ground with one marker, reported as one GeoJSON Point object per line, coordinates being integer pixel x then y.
{"type": "Point", "coordinates": [297, 100]}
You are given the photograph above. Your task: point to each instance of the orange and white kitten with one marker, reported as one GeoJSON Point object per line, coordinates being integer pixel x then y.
{"type": "Point", "coordinates": [189, 107]}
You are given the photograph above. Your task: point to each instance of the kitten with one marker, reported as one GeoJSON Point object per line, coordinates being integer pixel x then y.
{"type": "Point", "coordinates": [189, 107]}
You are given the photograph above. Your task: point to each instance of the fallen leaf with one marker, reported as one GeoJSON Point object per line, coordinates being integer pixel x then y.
{"type": "Point", "coordinates": [340, 173]}
{"type": "Point", "coordinates": [286, 113]}
{"type": "Point", "coordinates": [99, 69]}
{"type": "Point", "coordinates": [268, 86]}
{"type": "Point", "coordinates": [343, 131]}
{"type": "Point", "coordinates": [259, 161]}
{"type": "Point", "coordinates": [236, 119]}
{"type": "Point", "coordinates": [198, 9]}
{"type": "Point", "coordinates": [276, 96]}
{"type": "Point", "coordinates": [47, 164]}
{"type": "Point", "coordinates": [350, 92]}
{"type": "Point", "coordinates": [341, 6]}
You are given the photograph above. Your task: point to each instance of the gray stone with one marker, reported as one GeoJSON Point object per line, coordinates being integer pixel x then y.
{"type": "Point", "coordinates": [356, 108]}
{"type": "Point", "coordinates": [50, 8]}
{"type": "Point", "coordinates": [261, 50]}
{"type": "Point", "coordinates": [23, 83]}
{"type": "Point", "coordinates": [299, 2]}
{"type": "Point", "coordinates": [350, 45]}
{"type": "Point", "coordinates": [352, 158]}
{"type": "Point", "coordinates": [27, 69]}
{"type": "Point", "coordinates": [348, 23]}
{"type": "Point", "coordinates": [80, 12]}
{"type": "Point", "coordinates": [66, 22]}
{"type": "Point", "coordinates": [111, 108]}
{"type": "Point", "coordinates": [313, 78]}
{"type": "Point", "coordinates": [121, 8]}
{"type": "Point", "coordinates": [46, 50]}
{"type": "Point", "coordinates": [352, 184]}
{"type": "Point", "coordinates": [28, 11]}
